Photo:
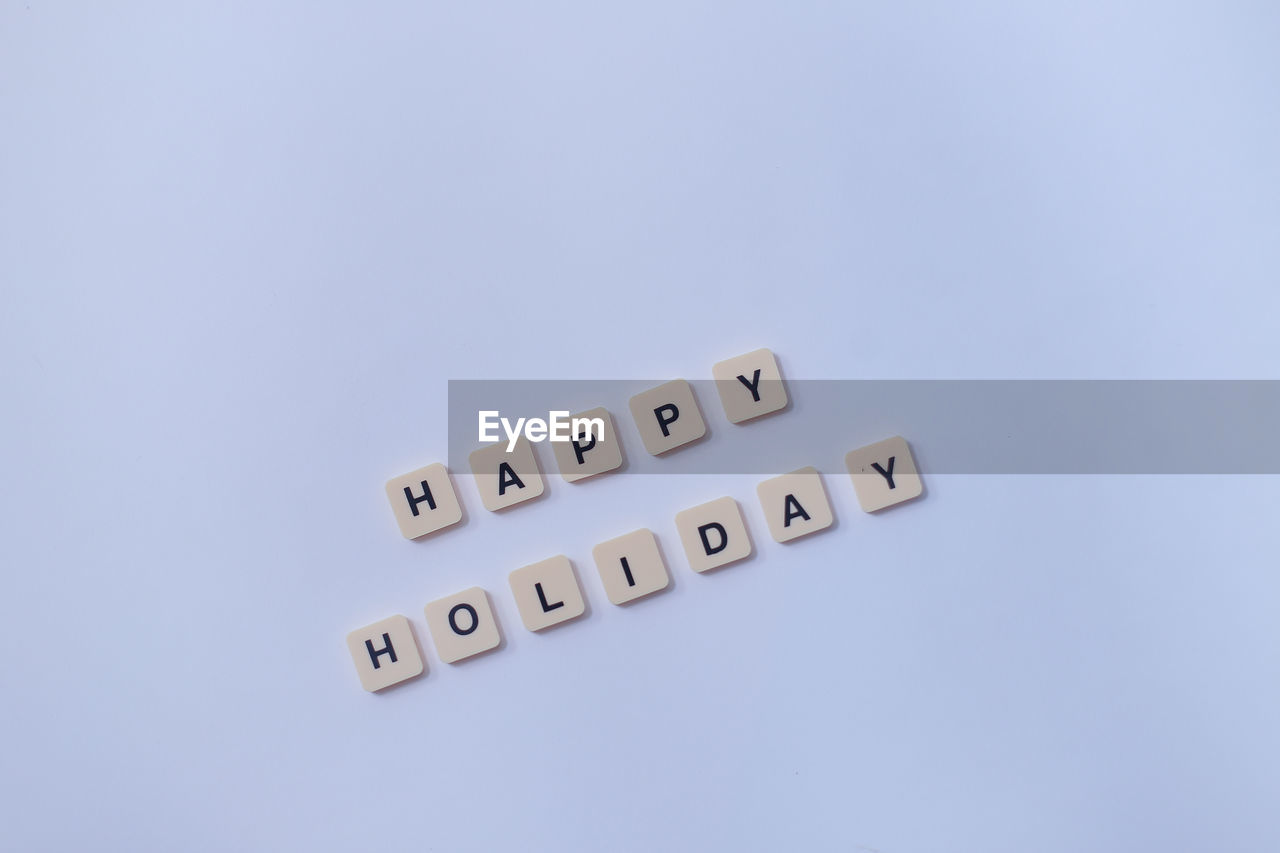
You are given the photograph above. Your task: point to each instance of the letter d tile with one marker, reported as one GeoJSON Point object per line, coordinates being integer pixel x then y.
{"type": "Point", "coordinates": [713, 534]}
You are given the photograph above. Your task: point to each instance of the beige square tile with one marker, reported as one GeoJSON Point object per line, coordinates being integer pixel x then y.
{"type": "Point", "coordinates": [713, 534]}
{"type": "Point", "coordinates": [547, 593]}
{"type": "Point", "coordinates": [505, 479]}
{"type": "Point", "coordinates": [462, 625]}
{"type": "Point", "coordinates": [883, 474]}
{"type": "Point", "coordinates": [750, 385]}
{"type": "Point", "coordinates": [592, 455]}
{"type": "Point", "coordinates": [424, 501]}
{"type": "Point", "coordinates": [631, 566]}
{"type": "Point", "coordinates": [667, 416]}
{"type": "Point", "coordinates": [385, 653]}
{"type": "Point", "coordinates": [795, 504]}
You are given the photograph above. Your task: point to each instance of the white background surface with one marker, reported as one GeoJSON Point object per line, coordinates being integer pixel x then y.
{"type": "Point", "coordinates": [242, 249]}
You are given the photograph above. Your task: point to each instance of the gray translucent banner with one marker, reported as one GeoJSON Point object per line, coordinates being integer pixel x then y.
{"type": "Point", "coordinates": [954, 426]}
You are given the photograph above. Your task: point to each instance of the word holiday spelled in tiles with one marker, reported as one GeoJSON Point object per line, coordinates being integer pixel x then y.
{"type": "Point", "coordinates": [631, 567]}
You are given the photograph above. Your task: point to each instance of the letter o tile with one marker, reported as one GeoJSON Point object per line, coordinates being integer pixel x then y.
{"type": "Point", "coordinates": [462, 625]}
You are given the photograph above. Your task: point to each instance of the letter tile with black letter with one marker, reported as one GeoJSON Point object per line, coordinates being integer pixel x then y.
{"type": "Point", "coordinates": [424, 501]}
{"type": "Point", "coordinates": [884, 474]}
{"type": "Point", "coordinates": [462, 625]}
{"type": "Point", "coordinates": [713, 534]}
{"type": "Point", "coordinates": [385, 653]}
{"type": "Point", "coordinates": [631, 566]}
{"type": "Point", "coordinates": [588, 455]}
{"type": "Point", "coordinates": [795, 504]}
{"type": "Point", "coordinates": [667, 416]}
{"type": "Point", "coordinates": [750, 385]}
{"type": "Point", "coordinates": [547, 593]}
{"type": "Point", "coordinates": [506, 479]}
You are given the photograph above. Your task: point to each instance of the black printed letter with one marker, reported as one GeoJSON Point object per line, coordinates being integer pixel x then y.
{"type": "Point", "coordinates": [888, 475]}
{"type": "Point", "coordinates": [453, 619]}
{"type": "Point", "coordinates": [542, 597]}
{"type": "Point", "coordinates": [799, 511]}
{"type": "Point", "coordinates": [580, 449]}
{"type": "Point", "coordinates": [753, 386]}
{"type": "Point", "coordinates": [626, 570]}
{"type": "Point", "coordinates": [706, 543]}
{"type": "Point", "coordinates": [385, 650]}
{"type": "Point", "coordinates": [426, 496]}
{"type": "Point", "coordinates": [505, 471]}
{"type": "Point", "coordinates": [663, 422]}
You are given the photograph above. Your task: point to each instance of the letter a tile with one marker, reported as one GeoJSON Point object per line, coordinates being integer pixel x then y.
{"type": "Point", "coordinates": [424, 501]}
{"type": "Point", "coordinates": [795, 504]}
{"type": "Point", "coordinates": [884, 474]}
{"type": "Point", "coordinates": [506, 479]}
{"type": "Point", "coordinates": [385, 653]}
